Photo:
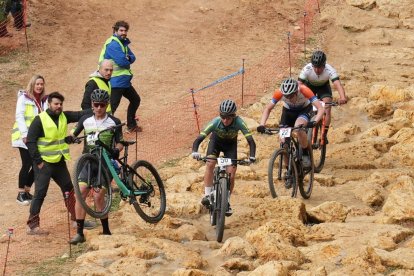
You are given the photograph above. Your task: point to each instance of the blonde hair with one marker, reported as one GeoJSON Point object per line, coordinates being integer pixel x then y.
{"type": "Point", "coordinates": [31, 85]}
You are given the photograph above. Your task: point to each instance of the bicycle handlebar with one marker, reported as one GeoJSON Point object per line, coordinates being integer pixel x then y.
{"type": "Point", "coordinates": [275, 130]}
{"type": "Point", "coordinates": [243, 162]}
{"type": "Point", "coordinates": [78, 139]}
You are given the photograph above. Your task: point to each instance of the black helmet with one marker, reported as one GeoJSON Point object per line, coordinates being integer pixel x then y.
{"type": "Point", "coordinates": [100, 95]}
{"type": "Point", "coordinates": [318, 59]}
{"type": "Point", "coordinates": [289, 86]}
{"type": "Point", "coordinates": [228, 107]}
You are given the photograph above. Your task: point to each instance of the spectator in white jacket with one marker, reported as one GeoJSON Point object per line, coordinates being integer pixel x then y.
{"type": "Point", "coordinates": [30, 102]}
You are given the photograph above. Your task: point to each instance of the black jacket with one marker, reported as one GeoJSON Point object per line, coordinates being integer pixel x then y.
{"type": "Point", "coordinates": [89, 87]}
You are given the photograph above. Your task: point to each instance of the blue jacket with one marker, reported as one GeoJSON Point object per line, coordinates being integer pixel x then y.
{"type": "Point", "coordinates": [114, 52]}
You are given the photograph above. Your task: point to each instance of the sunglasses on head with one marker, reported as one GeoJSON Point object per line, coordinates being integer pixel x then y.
{"type": "Point", "coordinates": [227, 116]}
{"type": "Point", "coordinates": [99, 105]}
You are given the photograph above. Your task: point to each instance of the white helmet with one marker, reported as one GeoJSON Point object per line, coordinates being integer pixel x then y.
{"type": "Point", "coordinates": [289, 86]}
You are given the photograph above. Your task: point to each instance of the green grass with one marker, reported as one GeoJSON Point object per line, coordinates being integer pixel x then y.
{"type": "Point", "coordinates": [170, 163]}
{"type": "Point", "coordinates": [58, 265]}
{"type": "Point", "coordinates": [9, 57]}
{"type": "Point", "coordinates": [116, 200]}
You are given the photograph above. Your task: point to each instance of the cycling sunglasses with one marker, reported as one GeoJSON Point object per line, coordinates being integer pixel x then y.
{"type": "Point", "coordinates": [102, 105]}
{"type": "Point", "coordinates": [227, 116]}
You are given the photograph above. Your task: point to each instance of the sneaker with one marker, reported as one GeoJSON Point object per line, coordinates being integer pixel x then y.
{"type": "Point", "coordinates": [22, 199]}
{"type": "Point", "coordinates": [88, 224]}
{"type": "Point", "coordinates": [29, 196]}
{"type": "Point", "coordinates": [133, 129]}
{"type": "Point", "coordinates": [36, 231]}
{"type": "Point", "coordinates": [77, 239]}
{"type": "Point", "coordinates": [205, 201]}
{"type": "Point", "coordinates": [306, 161]}
{"type": "Point", "coordinates": [229, 211]}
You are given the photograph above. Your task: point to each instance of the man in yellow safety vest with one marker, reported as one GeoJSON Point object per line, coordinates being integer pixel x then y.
{"type": "Point", "coordinates": [116, 48]}
{"type": "Point", "coordinates": [49, 151]}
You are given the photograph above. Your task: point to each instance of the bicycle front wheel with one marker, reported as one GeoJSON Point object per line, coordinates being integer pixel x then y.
{"type": "Point", "coordinates": [319, 149]}
{"type": "Point", "coordinates": [282, 178]}
{"type": "Point", "coordinates": [92, 191]}
{"type": "Point", "coordinates": [150, 205]}
{"type": "Point", "coordinates": [306, 183]}
{"type": "Point", "coordinates": [221, 207]}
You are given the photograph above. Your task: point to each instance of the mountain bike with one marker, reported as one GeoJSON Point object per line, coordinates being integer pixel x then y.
{"type": "Point", "coordinates": [219, 197]}
{"type": "Point", "coordinates": [285, 171]}
{"type": "Point", "coordinates": [317, 138]}
{"type": "Point", "coordinates": [139, 183]}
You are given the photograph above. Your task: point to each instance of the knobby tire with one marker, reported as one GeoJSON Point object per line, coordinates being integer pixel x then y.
{"type": "Point", "coordinates": [151, 205]}
{"type": "Point", "coordinates": [89, 163]}
{"type": "Point", "coordinates": [221, 207]}
{"type": "Point", "coordinates": [277, 173]}
{"type": "Point", "coordinates": [319, 151]}
{"type": "Point", "coordinates": [306, 183]}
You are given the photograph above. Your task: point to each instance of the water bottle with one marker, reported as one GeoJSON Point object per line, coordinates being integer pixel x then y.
{"type": "Point", "coordinates": [116, 166]}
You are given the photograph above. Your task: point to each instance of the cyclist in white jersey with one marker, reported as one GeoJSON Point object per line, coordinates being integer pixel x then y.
{"type": "Point", "coordinates": [97, 121]}
{"type": "Point", "coordinates": [316, 75]}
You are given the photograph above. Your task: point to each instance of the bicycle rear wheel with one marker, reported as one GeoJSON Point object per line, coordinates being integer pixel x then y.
{"type": "Point", "coordinates": [306, 183]}
{"type": "Point", "coordinates": [221, 207]}
{"type": "Point", "coordinates": [151, 204]}
{"type": "Point", "coordinates": [92, 192]}
{"type": "Point", "coordinates": [319, 150]}
{"type": "Point", "coordinates": [283, 181]}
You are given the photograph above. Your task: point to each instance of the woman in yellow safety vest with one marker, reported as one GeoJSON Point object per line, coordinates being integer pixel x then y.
{"type": "Point", "coordinates": [30, 102]}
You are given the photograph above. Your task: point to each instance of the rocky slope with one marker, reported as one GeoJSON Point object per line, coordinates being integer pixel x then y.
{"type": "Point", "coordinates": [362, 201]}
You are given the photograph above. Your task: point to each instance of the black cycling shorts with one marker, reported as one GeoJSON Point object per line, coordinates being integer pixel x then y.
{"type": "Point", "coordinates": [321, 92]}
{"type": "Point", "coordinates": [93, 172]}
{"type": "Point", "coordinates": [227, 147]}
{"type": "Point", "coordinates": [289, 116]}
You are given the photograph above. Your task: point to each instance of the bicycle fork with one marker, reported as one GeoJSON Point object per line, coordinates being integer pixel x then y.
{"type": "Point", "coordinates": [322, 133]}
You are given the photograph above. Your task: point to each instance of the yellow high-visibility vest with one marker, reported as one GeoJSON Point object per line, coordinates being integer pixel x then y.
{"type": "Point", "coordinates": [118, 71]}
{"type": "Point", "coordinates": [53, 146]}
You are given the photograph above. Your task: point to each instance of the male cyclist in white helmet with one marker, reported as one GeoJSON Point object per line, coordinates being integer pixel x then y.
{"type": "Point", "coordinates": [297, 108]}
{"type": "Point", "coordinates": [316, 76]}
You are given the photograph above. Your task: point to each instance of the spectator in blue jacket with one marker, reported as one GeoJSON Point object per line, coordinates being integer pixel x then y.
{"type": "Point", "coordinates": [116, 48]}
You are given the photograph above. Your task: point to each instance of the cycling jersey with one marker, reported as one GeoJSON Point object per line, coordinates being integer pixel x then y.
{"type": "Point", "coordinates": [308, 75]}
{"type": "Point", "coordinates": [226, 132]}
{"type": "Point", "coordinates": [224, 138]}
{"type": "Point", "coordinates": [304, 97]}
{"type": "Point", "coordinates": [90, 124]}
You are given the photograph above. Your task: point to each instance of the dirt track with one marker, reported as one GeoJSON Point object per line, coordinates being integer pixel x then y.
{"type": "Point", "coordinates": [187, 44]}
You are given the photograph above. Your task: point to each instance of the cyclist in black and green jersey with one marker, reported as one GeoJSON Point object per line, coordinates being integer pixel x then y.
{"type": "Point", "coordinates": [224, 130]}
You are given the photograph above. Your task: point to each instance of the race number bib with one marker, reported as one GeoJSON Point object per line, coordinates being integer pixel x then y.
{"type": "Point", "coordinates": [223, 161]}
{"type": "Point", "coordinates": [92, 138]}
{"type": "Point", "coordinates": [285, 132]}
{"type": "Point", "coordinates": [314, 107]}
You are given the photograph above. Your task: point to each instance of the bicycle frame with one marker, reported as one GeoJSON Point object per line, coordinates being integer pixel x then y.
{"type": "Point", "coordinates": [323, 124]}
{"type": "Point", "coordinates": [121, 182]}
{"type": "Point", "coordinates": [139, 183]}
{"type": "Point", "coordinates": [125, 170]}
